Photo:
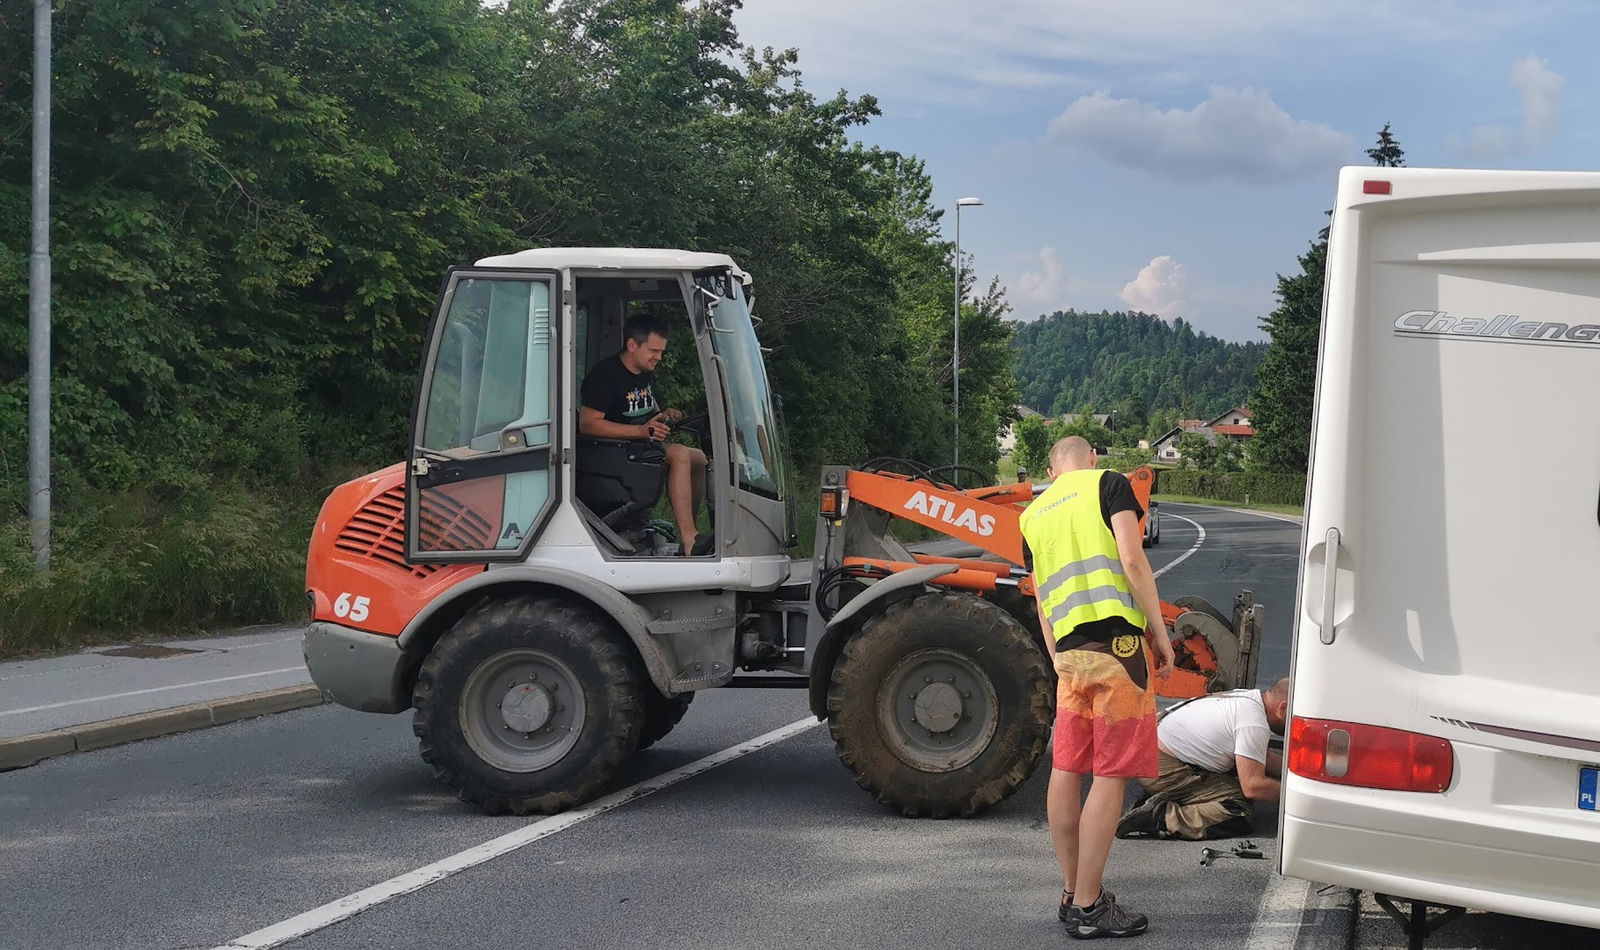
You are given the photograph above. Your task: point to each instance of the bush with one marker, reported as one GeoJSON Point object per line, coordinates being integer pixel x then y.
{"type": "Point", "coordinates": [129, 562]}
{"type": "Point", "coordinates": [1278, 488]}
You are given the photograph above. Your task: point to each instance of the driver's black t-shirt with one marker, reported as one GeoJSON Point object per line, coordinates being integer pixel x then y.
{"type": "Point", "coordinates": [627, 398]}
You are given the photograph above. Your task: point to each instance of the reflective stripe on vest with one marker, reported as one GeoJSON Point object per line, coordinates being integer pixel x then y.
{"type": "Point", "coordinates": [1075, 558]}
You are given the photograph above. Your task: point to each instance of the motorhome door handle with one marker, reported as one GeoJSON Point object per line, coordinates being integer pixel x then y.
{"type": "Point", "coordinates": [1330, 580]}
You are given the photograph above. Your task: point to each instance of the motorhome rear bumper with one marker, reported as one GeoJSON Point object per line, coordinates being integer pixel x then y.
{"type": "Point", "coordinates": [1508, 839]}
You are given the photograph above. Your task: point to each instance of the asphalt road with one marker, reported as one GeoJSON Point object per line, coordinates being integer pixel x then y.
{"type": "Point", "coordinates": [198, 839]}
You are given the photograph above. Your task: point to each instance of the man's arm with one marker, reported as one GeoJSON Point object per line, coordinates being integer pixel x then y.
{"type": "Point", "coordinates": [1044, 623]}
{"type": "Point", "coordinates": [1274, 764]}
{"type": "Point", "coordinates": [593, 423]}
{"type": "Point", "coordinates": [1142, 581]}
{"type": "Point", "coordinates": [1253, 778]}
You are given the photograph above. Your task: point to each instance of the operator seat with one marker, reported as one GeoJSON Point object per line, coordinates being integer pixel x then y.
{"type": "Point", "coordinates": [620, 480]}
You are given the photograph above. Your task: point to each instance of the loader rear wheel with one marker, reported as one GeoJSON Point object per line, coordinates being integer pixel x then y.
{"type": "Point", "coordinates": [528, 704]}
{"type": "Point", "coordinates": [661, 714]}
{"type": "Point", "coordinates": [941, 705]}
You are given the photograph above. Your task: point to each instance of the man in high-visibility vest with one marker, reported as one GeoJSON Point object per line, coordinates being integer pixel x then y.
{"type": "Point", "coordinates": [1097, 601]}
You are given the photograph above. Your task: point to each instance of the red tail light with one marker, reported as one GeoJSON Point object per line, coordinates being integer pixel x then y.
{"type": "Point", "coordinates": [1350, 753]}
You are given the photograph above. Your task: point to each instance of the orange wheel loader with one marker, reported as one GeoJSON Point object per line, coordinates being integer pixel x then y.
{"type": "Point", "coordinates": [510, 585]}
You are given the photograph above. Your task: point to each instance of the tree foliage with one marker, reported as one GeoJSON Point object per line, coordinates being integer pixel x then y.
{"type": "Point", "coordinates": [254, 202]}
{"type": "Point", "coordinates": [1136, 363]}
{"type": "Point", "coordinates": [1283, 401]}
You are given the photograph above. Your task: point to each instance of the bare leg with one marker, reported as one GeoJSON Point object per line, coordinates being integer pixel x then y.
{"type": "Point", "coordinates": [697, 461]}
{"type": "Point", "coordinates": [1063, 809]}
{"type": "Point", "coordinates": [680, 493]}
{"type": "Point", "coordinates": [1097, 830]}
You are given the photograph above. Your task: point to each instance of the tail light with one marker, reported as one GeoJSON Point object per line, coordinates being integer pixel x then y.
{"type": "Point", "coordinates": [832, 504]}
{"type": "Point", "coordinates": [1351, 753]}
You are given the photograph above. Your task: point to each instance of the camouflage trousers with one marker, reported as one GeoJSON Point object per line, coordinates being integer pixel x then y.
{"type": "Point", "coordinates": [1200, 805]}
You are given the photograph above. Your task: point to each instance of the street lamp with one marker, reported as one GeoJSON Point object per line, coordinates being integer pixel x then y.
{"type": "Point", "coordinates": [955, 363]}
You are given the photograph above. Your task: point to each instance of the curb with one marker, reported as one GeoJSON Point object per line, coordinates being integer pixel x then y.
{"type": "Point", "coordinates": [23, 751]}
{"type": "Point", "coordinates": [1328, 921]}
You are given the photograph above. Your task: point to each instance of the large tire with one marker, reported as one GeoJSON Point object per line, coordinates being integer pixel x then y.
{"type": "Point", "coordinates": [941, 705]}
{"type": "Point", "coordinates": [568, 679]}
{"type": "Point", "coordinates": [661, 714]}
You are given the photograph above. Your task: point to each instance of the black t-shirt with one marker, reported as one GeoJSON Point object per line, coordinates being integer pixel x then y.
{"type": "Point", "coordinates": [626, 397]}
{"type": "Point", "coordinates": [1116, 494]}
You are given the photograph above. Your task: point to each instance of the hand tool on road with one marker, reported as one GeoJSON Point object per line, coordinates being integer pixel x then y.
{"type": "Point", "coordinates": [1208, 855]}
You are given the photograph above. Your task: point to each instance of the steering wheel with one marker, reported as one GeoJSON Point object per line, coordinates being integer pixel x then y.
{"type": "Point", "coordinates": [699, 426]}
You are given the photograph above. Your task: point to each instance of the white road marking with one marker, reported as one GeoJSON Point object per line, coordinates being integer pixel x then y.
{"type": "Point", "coordinates": [154, 689]}
{"type": "Point", "coordinates": [1192, 548]}
{"type": "Point", "coordinates": [1279, 914]}
{"type": "Point", "coordinates": [352, 904]}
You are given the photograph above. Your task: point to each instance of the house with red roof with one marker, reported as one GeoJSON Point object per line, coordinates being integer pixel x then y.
{"type": "Point", "coordinates": [1235, 425]}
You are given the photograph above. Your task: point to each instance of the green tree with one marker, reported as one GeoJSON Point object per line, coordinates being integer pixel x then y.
{"type": "Point", "coordinates": [1284, 395]}
{"type": "Point", "coordinates": [1387, 153]}
{"type": "Point", "coordinates": [1032, 449]}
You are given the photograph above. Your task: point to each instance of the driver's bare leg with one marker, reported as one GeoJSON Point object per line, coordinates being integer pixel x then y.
{"type": "Point", "coordinates": [686, 474]}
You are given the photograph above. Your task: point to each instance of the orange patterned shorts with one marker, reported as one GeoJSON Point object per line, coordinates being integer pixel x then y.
{"type": "Point", "coordinates": [1105, 721]}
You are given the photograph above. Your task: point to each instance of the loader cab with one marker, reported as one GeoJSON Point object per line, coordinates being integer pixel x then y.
{"type": "Point", "coordinates": [498, 466]}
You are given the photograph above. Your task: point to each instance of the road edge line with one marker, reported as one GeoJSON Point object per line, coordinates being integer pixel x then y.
{"type": "Point", "coordinates": [1303, 915]}
{"type": "Point", "coordinates": [1200, 538]}
{"type": "Point", "coordinates": [319, 918]}
{"type": "Point", "coordinates": [20, 752]}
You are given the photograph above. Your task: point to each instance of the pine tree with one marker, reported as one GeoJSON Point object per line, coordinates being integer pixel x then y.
{"type": "Point", "coordinates": [1387, 153]}
{"type": "Point", "coordinates": [1286, 381]}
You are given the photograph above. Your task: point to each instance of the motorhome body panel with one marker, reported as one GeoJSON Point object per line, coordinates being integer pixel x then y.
{"type": "Point", "coordinates": [1457, 458]}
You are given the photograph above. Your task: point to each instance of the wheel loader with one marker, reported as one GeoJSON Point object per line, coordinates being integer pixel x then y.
{"type": "Point", "coordinates": [509, 584]}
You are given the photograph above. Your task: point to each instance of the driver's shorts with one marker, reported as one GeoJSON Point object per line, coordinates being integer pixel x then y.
{"type": "Point", "coordinates": [1105, 721]}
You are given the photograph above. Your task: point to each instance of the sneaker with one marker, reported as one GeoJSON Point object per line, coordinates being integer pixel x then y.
{"type": "Point", "coordinates": [1145, 820]}
{"type": "Point", "coordinates": [1065, 913]}
{"type": "Point", "coordinates": [1105, 918]}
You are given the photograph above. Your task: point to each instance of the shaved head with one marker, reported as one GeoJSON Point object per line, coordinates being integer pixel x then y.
{"type": "Point", "coordinates": [1070, 454]}
{"type": "Point", "coordinates": [1276, 700]}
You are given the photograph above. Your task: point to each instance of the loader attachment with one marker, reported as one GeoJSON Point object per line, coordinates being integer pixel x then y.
{"type": "Point", "coordinates": [1212, 651]}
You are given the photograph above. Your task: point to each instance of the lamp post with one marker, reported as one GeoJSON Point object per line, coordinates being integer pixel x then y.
{"type": "Point", "coordinates": [39, 299]}
{"type": "Point", "coordinates": [955, 363]}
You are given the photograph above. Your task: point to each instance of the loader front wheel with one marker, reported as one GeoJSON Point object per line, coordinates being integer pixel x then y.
{"type": "Point", "coordinates": [528, 704]}
{"type": "Point", "coordinates": [941, 705]}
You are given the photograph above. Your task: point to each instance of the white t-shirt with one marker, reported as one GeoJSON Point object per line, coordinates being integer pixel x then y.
{"type": "Point", "coordinates": [1209, 732]}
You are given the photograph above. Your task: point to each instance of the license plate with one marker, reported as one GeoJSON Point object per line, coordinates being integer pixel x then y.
{"type": "Point", "coordinates": [1588, 779]}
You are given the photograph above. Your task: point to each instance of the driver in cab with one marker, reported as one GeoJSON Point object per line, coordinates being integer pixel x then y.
{"type": "Point", "coordinates": [619, 402]}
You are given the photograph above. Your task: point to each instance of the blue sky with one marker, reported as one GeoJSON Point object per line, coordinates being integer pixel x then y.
{"type": "Point", "coordinates": [1175, 156]}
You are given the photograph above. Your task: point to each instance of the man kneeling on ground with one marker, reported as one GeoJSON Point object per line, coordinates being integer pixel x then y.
{"type": "Point", "coordinates": [1214, 764]}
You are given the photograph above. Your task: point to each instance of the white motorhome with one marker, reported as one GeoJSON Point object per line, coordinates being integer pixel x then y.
{"type": "Point", "coordinates": [1445, 733]}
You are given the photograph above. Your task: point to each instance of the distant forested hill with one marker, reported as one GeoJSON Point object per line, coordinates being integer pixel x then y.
{"type": "Point", "coordinates": [1106, 360]}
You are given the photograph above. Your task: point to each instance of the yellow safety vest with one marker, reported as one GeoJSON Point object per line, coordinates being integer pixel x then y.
{"type": "Point", "coordinates": [1075, 560]}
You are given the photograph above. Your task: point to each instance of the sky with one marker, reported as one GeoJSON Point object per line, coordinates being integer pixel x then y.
{"type": "Point", "coordinates": [1176, 156]}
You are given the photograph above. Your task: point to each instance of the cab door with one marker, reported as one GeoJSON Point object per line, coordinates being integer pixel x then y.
{"type": "Point", "coordinates": [480, 472]}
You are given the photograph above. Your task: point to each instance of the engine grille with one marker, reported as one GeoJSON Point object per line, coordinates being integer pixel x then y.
{"type": "Point", "coordinates": [378, 530]}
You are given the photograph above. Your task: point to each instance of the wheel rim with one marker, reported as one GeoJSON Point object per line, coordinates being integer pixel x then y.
{"type": "Point", "coordinates": [937, 709]}
{"type": "Point", "coordinates": [522, 710]}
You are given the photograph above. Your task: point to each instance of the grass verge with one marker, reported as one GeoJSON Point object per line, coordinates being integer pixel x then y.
{"type": "Point", "coordinates": [1225, 503]}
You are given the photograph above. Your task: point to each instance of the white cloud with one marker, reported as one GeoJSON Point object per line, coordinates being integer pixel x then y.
{"type": "Point", "coordinates": [1161, 287]}
{"type": "Point", "coordinates": [1047, 284]}
{"type": "Point", "coordinates": [955, 49]}
{"type": "Point", "coordinates": [1235, 134]}
{"type": "Point", "coordinates": [1540, 88]}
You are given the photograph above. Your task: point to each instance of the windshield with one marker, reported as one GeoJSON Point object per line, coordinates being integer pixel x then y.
{"type": "Point", "coordinates": [757, 448]}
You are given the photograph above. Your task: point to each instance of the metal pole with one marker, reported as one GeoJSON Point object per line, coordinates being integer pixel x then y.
{"type": "Point", "coordinates": [39, 299]}
{"type": "Point", "coordinates": [955, 364]}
